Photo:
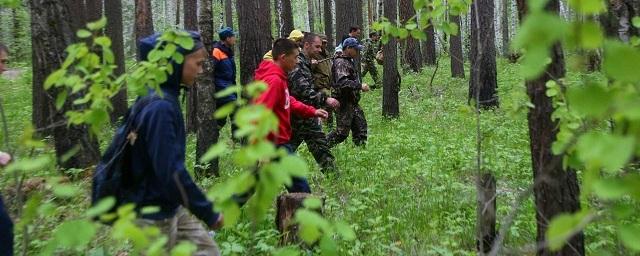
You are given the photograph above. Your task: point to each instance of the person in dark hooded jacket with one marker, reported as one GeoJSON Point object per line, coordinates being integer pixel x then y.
{"type": "Point", "coordinates": [224, 74]}
{"type": "Point", "coordinates": [157, 156]}
{"type": "Point", "coordinates": [6, 225]}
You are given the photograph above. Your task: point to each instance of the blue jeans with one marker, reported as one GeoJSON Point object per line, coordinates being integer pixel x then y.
{"type": "Point", "coordinates": [300, 184]}
{"type": "Point", "coordinates": [6, 232]}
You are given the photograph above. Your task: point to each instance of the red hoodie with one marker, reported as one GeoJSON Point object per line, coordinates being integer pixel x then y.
{"type": "Point", "coordinates": [277, 98]}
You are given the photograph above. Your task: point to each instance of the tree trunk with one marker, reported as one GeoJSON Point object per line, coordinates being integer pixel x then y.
{"type": "Point", "coordinates": [371, 11]}
{"type": "Point", "coordinates": [328, 24]}
{"type": "Point", "coordinates": [93, 10]}
{"type": "Point", "coordinates": [254, 18]}
{"type": "Point", "coordinates": [348, 14]}
{"type": "Point", "coordinates": [429, 53]}
{"type": "Point", "coordinates": [207, 128]}
{"type": "Point", "coordinates": [486, 211]}
{"type": "Point", "coordinates": [53, 23]}
{"type": "Point", "coordinates": [455, 47]}
{"type": "Point", "coordinates": [178, 13]}
{"type": "Point", "coordinates": [190, 21]}
{"type": "Point", "coordinates": [483, 83]}
{"type": "Point", "coordinates": [144, 19]}
{"type": "Point", "coordinates": [412, 55]}
{"type": "Point", "coordinates": [228, 12]}
{"type": "Point", "coordinates": [505, 27]}
{"type": "Point", "coordinates": [380, 9]}
{"type": "Point", "coordinates": [113, 11]}
{"type": "Point", "coordinates": [556, 190]}
{"type": "Point", "coordinates": [312, 17]}
{"type": "Point", "coordinates": [284, 17]}
{"type": "Point", "coordinates": [390, 102]}
{"type": "Point", "coordinates": [287, 205]}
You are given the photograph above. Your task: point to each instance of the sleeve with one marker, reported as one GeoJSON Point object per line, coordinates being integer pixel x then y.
{"type": "Point", "coordinates": [300, 109]}
{"type": "Point", "coordinates": [167, 160]}
{"type": "Point", "coordinates": [302, 89]}
{"type": "Point", "coordinates": [272, 96]}
{"type": "Point", "coordinates": [343, 78]}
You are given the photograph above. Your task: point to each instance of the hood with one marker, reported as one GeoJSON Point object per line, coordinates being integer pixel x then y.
{"type": "Point", "coordinates": [269, 68]}
{"type": "Point", "coordinates": [147, 44]}
{"type": "Point", "coordinates": [224, 48]}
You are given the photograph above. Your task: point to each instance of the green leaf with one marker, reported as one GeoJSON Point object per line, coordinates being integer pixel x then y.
{"type": "Point", "coordinates": [345, 231]}
{"type": "Point", "coordinates": [592, 100]}
{"type": "Point", "coordinates": [213, 152]}
{"type": "Point", "coordinates": [83, 33]}
{"type": "Point", "coordinates": [28, 165]}
{"type": "Point", "coordinates": [588, 7]}
{"type": "Point", "coordinates": [185, 42]}
{"type": "Point", "coordinates": [630, 236]}
{"type": "Point", "coordinates": [609, 189]}
{"type": "Point", "coordinates": [54, 78]}
{"type": "Point", "coordinates": [286, 252]}
{"type": "Point", "coordinates": [227, 91]}
{"type": "Point", "coordinates": [328, 246]}
{"type": "Point", "coordinates": [312, 203]}
{"type": "Point", "coordinates": [97, 25]}
{"type": "Point", "coordinates": [591, 35]}
{"type": "Point", "coordinates": [103, 41]}
{"type": "Point", "coordinates": [621, 62]}
{"type": "Point", "coordinates": [224, 111]}
{"type": "Point", "coordinates": [636, 21]}
{"type": "Point", "coordinates": [101, 207]}
{"type": "Point", "coordinates": [66, 191]}
{"type": "Point", "coordinates": [608, 151]}
{"type": "Point", "coordinates": [561, 227]}
{"type": "Point", "coordinates": [74, 233]}
{"type": "Point", "coordinates": [61, 98]}
{"type": "Point", "coordinates": [294, 165]}
{"type": "Point", "coordinates": [184, 249]}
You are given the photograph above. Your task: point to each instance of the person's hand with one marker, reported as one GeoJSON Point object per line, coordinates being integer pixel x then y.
{"type": "Point", "coordinates": [5, 158]}
{"type": "Point", "coordinates": [333, 103]}
{"type": "Point", "coordinates": [321, 113]}
{"type": "Point", "coordinates": [219, 223]}
{"type": "Point", "coordinates": [365, 87]}
{"type": "Point", "coordinates": [314, 62]}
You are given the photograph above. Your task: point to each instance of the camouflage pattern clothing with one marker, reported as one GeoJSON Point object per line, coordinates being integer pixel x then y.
{"type": "Point", "coordinates": [349, 116]}
{"type": "Point", "coordinates": [302, 88]}
{"type": "Point", "coordinates": [322, 79]}
{"type": "Point", "coordinates": [371, 48]}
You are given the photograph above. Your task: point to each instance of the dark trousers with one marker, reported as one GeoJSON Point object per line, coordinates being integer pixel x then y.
{"type": "Point", "coordinates": [349, 118]}
{"type": "Point", "coordinates": [310, 132]}
{"type": "Point", "coordinates": [6, 231]}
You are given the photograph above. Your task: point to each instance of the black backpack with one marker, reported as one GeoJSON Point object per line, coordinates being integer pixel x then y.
{"type": "Point", "coordinates": [111, 179]}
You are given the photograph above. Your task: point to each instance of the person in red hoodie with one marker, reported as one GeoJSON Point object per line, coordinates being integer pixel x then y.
{"type": "Point", "coordinates": [277, 99]}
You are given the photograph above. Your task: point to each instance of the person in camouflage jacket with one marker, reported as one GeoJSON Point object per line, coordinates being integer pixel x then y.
{"type": "Point", "coordinates": [301, 87]}
{"type": "Point", "coordinates": [321, 69]}
{"type": "Point", "coordinates": [347, 87]}
{"type": "Point", "coordinates": [371, 48]}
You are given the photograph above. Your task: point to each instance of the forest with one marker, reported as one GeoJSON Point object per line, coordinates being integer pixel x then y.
{"type": "Point", "coordinates": [477, 127]}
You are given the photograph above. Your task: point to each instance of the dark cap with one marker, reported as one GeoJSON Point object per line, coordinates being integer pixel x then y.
{"type": "Point", "coordinates": [225, 33]}
{"type": "Point", "coordinates": [352, 43]}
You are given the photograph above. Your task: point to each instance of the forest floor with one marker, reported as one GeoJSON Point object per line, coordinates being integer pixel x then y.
{"type": "Point", "coordinates": [411, 191]}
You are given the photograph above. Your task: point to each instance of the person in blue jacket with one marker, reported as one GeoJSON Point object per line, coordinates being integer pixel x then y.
{"type": "Point", "coordinates": [157, 157]}
{"type": "Point", "coordinates": [6, 225]}
{"type": "Point", "coordinates": [225, 72]}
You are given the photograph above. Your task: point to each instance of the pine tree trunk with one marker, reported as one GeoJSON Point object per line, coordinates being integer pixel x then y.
{"type": "Point", "coordinates": [429, 53]}
{"type": "Point", "coordinates": [348, 14]}
{"type": "Point", "coordinates": [483, 83]}
{"type": "Point", "coordinates": [190, 21]}
{"type": "Point", "coordinates": [556, 190]}
{"type": "Point", "coordinates": [412, 55]}
{"type": "Point", "coordinates": [371, 11]}
{"type": "Point", "coordinates": [312, 17]}
{"type": "Point", "coordinates": [328, 24]}
{"type": "Point", "coordinates": [254, 18]}
{"type": "Point", "coordinates": [505, 27]}
{"type": "Point", "coordinates": [390, 102]}
{"type": "Point", "coordinates": [284, 16]}
{"type": "Point", "coordinates": [455, 48]}
{"type": "Point", "coordinates": [228, 12]}
{"type": "Point", "coordinates": [113, 11]}
{"type": "Point", "coordinates": [53, 23]}
{"type": "Point", "coordinates": [144, 19]}
{"type": "Point", "coordinates": [380, 9]}
{"type": "Point", "coordinates": [207, 128]}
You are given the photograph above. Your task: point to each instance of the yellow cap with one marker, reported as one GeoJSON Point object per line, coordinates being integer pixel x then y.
{"type": "Point", "coordinates": [296, 35]}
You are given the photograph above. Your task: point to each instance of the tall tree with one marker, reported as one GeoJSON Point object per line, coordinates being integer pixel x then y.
{"type": "Point", "coordinates": [505, 27]}
{"type": "Point", "coordinates": [54, 25]}
{"type": "Point", "coordinates": [380, 9]}
{"type": "Point", "coordinates": [483, 83]}
{"type": "Point", "coordinates": [556, 190]}
{"type": "Point", "coordinates": [328, 23]}
{"type": "Point", "coordinates": [144, 19]}
{"type": "Point", "coordinates": [255, 35]}
{"type": "Point", "coordinates": [113, 11]}
{"type": "Point", "coordinates": [207, 128]}
{"type": "Point", "coordinates": [284, 17]}
{"type": "Point", "coordinates": [312, 17]}
{"type": "Point", "coordinates": [228, 12]}
{"type": "Point", "coordinates": [190, 21]}
{"type": "Point", "coordinates": [390, 102]}
{"type": "Point", "coordinates": [371, 11]}
{"type": "Point", "coordinates": [178, 13]}
{"type": "Point", "coordinates": [412, 55]}
{"type": "Point", "coordinates": [455, 48]}
{"type": "Point", "coordinates": [429, 53]}
{"type": "Point", "coordinates": [348, 14]}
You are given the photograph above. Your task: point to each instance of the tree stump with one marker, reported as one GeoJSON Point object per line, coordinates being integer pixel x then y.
{"type": "Point", "coordinates": [287, 205]}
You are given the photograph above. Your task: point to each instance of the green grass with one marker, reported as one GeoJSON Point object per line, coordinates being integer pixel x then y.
{"type": "Point", "coordinates": [411, 191]}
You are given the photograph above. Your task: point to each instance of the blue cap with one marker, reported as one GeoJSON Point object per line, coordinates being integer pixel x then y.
{"type": "Point", "coordinates": [352, 43]}
{"type": "Point", "coordinates": [225, 33]}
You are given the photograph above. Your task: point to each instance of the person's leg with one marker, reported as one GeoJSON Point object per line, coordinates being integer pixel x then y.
{"type": "Point", "coordinates": [359, 127]}
{"type": "Point", "coordinates": [191, 230]}
{"type": "Point", "coordinates": [344, 116]}
{"type": "Point", "coordinates": [318, 145]}
{"type": "Point", "coordinates": [374, 75]}
{"type": "Point", "coordinates": [297, 134]}
{"type": "Point", "coordinates": [299, 184]}
{"type": "Point", "coordinates": [6, 231]}
{"type": "Point", "coordinates": [168, 227]}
